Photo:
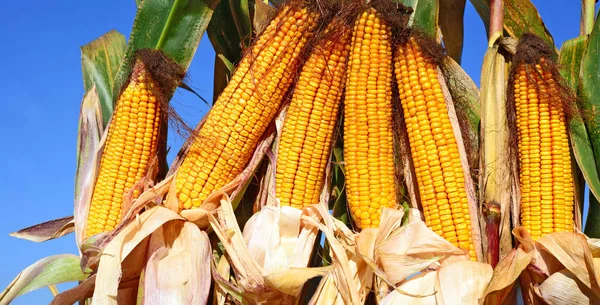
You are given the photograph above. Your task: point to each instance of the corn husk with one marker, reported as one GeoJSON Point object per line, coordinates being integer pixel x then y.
{"type": "Point", "coordinates": [549, 270]}
{"type": "Point", "coordinates": [401, 263]}
{"type": "Point", "coordinates": [266, 266]}
{"type": "Point", "coordinates": [178, 267]}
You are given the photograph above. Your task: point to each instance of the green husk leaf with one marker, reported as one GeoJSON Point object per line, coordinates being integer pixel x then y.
{"type": "Point", "coordinates": [221, 77]}
{"type": "Point", "coordinates": [590, 101]}
{"type": "Point", "coordinates": [520, 16]}
{"type": "Point", "coordinates": [466, 101]}
{"type": "Point", "coordinates": [172, 26]}
{"type": "Point", "coordinates": [425, 15]}
{"type": "Point", "coordinates": [100, 60]}
{"type": "Point", "coordinates": [338, 185]}
{"type": "Point", "coordinates": [230, 67]}
{"type": "Point", "coordinates": [452, 26]}
{"type": "Point", "coordinates": [570, 61]}
{"type": "Point", "coordinates": [48, 271]}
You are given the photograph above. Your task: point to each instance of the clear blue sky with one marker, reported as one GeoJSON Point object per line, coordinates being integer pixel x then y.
{"type": "Point", "coordinates": [42, 88]}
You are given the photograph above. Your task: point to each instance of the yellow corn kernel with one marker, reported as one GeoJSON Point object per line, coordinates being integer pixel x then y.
{"type": "Point", "coordinates": [434, 150]}
{"type": "Point", "coordinates": [545, 161]}
{"type": "Point", "coordinates": [241, 114]}
{"type": "Point", "coordinates": [368, 140]}
{"type": "Point", "coordinates": [312, 115]}
{"type": "Point", "coordinates": [132, 141]}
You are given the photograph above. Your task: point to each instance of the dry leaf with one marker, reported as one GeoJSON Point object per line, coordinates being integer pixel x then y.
{"type": "Point", "coordinates": [178, 272]}
{"type": "Point", "coordinates": [563, 288]}
{"type": "Point", "coordinates": [463, 282]}
{"type": "Point", "coordinates": [109, 270]}
{"type": "Point", "coordinates": [47, 230]}
{"type": "Point", "coordinates": [422, 285]}
{"type": "Point", "coordinates": [290, 281]}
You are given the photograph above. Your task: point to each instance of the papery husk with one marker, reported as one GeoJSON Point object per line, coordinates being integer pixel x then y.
{"type": "Point", "coordinates": [564, 288]}
{"type": "Point", "coordinates": [422, 285]}
{"type": "Point", "coordinates": [266, 266]}
{"type": "Point", "coordinates": [92, 247]}
{"type": "Point", "coordinates": [460, 282]}
{"type": "Point", "coordinates": [536, 266]}
{"type": "Point", "coordinates": [498, 181]}
{"type": "Point", "coordinates": [110, 269]}
{"type": "Point", "coordinates": [351, 279]}
{"type": "Point", "coordinates": [178, 267]}
{"type": "Point", "coordinates": [89, 145]}
{"type": "Point", "coordinates": [400, 263]}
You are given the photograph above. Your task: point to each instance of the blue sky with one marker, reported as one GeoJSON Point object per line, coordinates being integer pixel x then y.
{"type": "Point", "coordinates": [42, 88]}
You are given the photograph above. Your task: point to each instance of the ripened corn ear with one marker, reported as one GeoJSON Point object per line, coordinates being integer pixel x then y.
{"type": "Point", "coordinates": [368, 139]}
{"type": "Point", "coordinates": [308, 129]}
{"type": "Point", "coordinates": [241, 114]}
{"type": "Point", "coordinates": [434, 149]}
{"type": "Point", "coordinates": [545, 175]}
{"type": "Point", "coordinates": [132, 141]}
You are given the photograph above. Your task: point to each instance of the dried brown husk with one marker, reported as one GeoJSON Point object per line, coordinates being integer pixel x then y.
{"type": "Point", "coordinates": [401, 263]}
{"type": "Point", "coordinates": [545, 267]}
{"type": "Point", "coordinates": [498, 176]}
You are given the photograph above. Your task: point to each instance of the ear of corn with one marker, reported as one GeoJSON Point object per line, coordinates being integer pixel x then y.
{"type": "Point", "coordinates": [440, 177]}
{"type": "Point", "coordinates": [243, 111]}
{"type": "Point", "coordinates": [545, 162]}
{"type": "Point", "coordinates": [312, 115]}
{"type": "Point", "coordinates": [132, 141]}
{"type": "Point", "coordinates": [368, 140]}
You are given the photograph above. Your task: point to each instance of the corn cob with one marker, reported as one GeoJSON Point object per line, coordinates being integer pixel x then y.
{"type": "Point", "coordinates": [312, 115]}
{"type": "Point", "coordinates": [368, 140]}
{"type": "Point", "coordinates": [440, 177]}
{"type": "Point", "coordinates": [132, 141]}
{"type": "Point", "coordinates": [546, 180]}
{"type": "Point", "coordinates": [243, 111]}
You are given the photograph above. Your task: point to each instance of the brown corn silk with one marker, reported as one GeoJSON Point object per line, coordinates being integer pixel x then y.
{"type": "Point", "coordinates": [308, 129]}
{"type": "Point", "coordinates": [132, 141]}
{"type": "Point", "coordinates": [241, 114]}
{"type": "Point", "coordinates": [368, 139]}
{"type": "Point", "coordinates": [541, 107]}
{"type": "Point", "coordinates": [434, 149]}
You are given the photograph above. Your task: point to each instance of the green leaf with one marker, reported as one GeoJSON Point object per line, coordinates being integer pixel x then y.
{"type": "Point", "coordinates": [47, 271]}
{"type": "Point", "coordinates": [230, 67]}
{"type": "Point", "coordinates": [226, 40]}
{"type": "Point", "coordinates": [425, 15]}
{"type": "Point", "coordinates": [592, 225]}
{"type": "Point", "coordinates": [100, 60]}
{"type": "Point", "coordinates": [173, 26]}
{"type": "Point", "coordinates": [590, 91]}
{"type": "Point", "coordinates": [452, 26]}
{"type": "Point", "coordinates": [223, 33]}
{"type": "Point", "coordinates": [570, 61]}
{"type": "Point", "coordinates": [520, 16]}
{"type": "Point", "coordinates": [466, 101]}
